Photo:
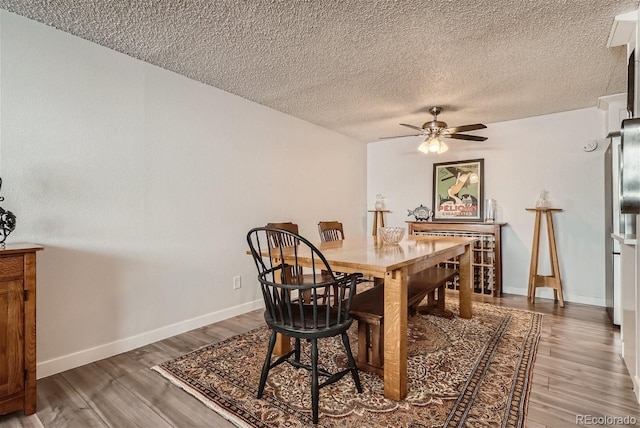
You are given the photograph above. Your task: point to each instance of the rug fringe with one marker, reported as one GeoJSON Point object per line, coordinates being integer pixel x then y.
{"type": "Point", "coordinates": [204, 400]}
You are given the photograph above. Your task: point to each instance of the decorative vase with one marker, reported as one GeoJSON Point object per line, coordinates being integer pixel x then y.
{"type": "Point", "coordinates": [490, 211]}
{"type": "Point", "coordinates": [542, 202]}
{"type": "Point", "coordinates": [379, 206]}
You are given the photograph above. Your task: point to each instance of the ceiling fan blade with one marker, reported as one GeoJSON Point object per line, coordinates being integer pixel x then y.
{"type": "Point", "coordinates": [465, 128]}
{"type": "Point", "coordinates": [465, 137]}
{"type": "Point", "coordinates": [417, 128]}
{"type": "Point", "coordinates": [400, 136]}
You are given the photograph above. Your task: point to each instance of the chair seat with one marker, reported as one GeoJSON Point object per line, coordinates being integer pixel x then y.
{"type": "Point", "coordinates": [311, 279]}
{"type": "Point", "coordinates": [303, 324]}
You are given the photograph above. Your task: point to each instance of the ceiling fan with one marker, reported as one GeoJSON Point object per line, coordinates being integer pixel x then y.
{"type": "Point", "coordinates": [435, 130]}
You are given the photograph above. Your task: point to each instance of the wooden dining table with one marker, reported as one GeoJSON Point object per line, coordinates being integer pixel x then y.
{"type": "Point", "coordinates": [394, 264]}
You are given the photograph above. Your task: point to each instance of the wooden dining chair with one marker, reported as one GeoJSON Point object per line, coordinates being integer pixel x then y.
{"type": "Point", "coordinates": [291, 316]}
{"type": "Point", "coordinates": [330, 231]}
{"type": "Point", "coordinates": [277, 240]}
{"type": "Point", "coordinates": [333, 231]}
{"type": "Point", "coordinates": [291, 227]}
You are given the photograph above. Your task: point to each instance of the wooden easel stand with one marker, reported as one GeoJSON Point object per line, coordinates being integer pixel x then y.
{"type": "Point", "coordinates": [536, 280]}
{"type": "Point", "coordinates": [376, 214]}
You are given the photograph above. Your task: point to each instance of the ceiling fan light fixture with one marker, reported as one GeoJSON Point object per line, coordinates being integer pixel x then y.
{"type": "Point", "coordinates": [424, 147]}
{"type": "Point", "coordinates": [433, 145]}
{"type": "Point", "coordinates": [434, 131]}
{"type": "Point", "coordinates": [443, 147]}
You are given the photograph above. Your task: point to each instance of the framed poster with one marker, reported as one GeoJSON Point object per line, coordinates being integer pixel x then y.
{"type": "Point", "coordinates": [458, 189]}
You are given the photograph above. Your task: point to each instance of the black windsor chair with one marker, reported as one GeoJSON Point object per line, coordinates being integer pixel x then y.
{"type": "Point", "coordinates": [325, 314]}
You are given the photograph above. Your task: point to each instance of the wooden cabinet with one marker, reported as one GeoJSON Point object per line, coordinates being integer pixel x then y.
{"type": "Point", "coordinates": [487, 253]}
{"type": "Point", "coordinates": [18, 328]}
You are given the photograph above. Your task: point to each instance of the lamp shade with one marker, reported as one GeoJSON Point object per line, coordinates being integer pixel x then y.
{"type": "Point", "coordinates": [433, 145]}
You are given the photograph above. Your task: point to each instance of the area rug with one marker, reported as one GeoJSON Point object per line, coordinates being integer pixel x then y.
{"type": "Point", "coordinates": [461, 372]}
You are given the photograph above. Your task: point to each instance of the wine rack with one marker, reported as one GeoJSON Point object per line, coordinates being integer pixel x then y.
{"type": "Point", "coordinates": [486, 259]}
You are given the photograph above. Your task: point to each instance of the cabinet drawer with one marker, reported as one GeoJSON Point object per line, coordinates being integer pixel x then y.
{"type": "Point", "coordinates": [11, 266]}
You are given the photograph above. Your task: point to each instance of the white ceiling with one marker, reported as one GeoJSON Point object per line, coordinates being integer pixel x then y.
{"type": "Point", "coordinates": [360, 67]}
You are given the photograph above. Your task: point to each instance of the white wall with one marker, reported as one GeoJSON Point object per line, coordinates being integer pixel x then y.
{"type": "Point", "coordinates": [141, 184]}
{"type": "Point", "coordinates": [521, 157]}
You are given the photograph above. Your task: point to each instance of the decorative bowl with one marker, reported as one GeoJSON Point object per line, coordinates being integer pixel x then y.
{"type": "Point", "coordinates": [391, 235]}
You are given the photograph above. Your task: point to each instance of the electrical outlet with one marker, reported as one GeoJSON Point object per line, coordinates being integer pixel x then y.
{"type": "Point", "coordinates": [237, 282]}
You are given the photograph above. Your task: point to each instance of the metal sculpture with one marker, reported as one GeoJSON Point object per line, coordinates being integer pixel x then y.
{"type": "Point", "coordinates": [7, 221]}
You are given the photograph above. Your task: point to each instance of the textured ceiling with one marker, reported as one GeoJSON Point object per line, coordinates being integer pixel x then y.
{"type": "Point", "coordinates": [360, 67]}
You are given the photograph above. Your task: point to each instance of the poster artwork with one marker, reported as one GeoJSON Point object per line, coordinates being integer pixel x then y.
{"type": "Point", "coordinates": [458, 190]}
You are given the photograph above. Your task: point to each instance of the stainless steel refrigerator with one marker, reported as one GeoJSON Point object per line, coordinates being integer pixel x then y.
{"type": "Point", "coordinates": [616, 224]}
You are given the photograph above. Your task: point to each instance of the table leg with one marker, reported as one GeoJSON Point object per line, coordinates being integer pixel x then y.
{"type": "Point", "coordinates": [465, 293]}
{"type": "Point", "coordinates": [283, 344]}
{"type": "Point", "coordinates": [395, 334]}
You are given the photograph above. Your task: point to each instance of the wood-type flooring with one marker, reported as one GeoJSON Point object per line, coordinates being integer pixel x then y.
{"type": "Point", "coordinates": [579, 376]}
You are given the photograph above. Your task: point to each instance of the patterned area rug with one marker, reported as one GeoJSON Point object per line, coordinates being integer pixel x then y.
{"type": "Point", "coordinates": [461, 372]}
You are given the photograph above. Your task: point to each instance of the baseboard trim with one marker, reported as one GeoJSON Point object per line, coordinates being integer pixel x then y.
{"type": "Point", "coordinates": [547, 293]}
{"type": "Point", "coordinates": [80, 358]}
